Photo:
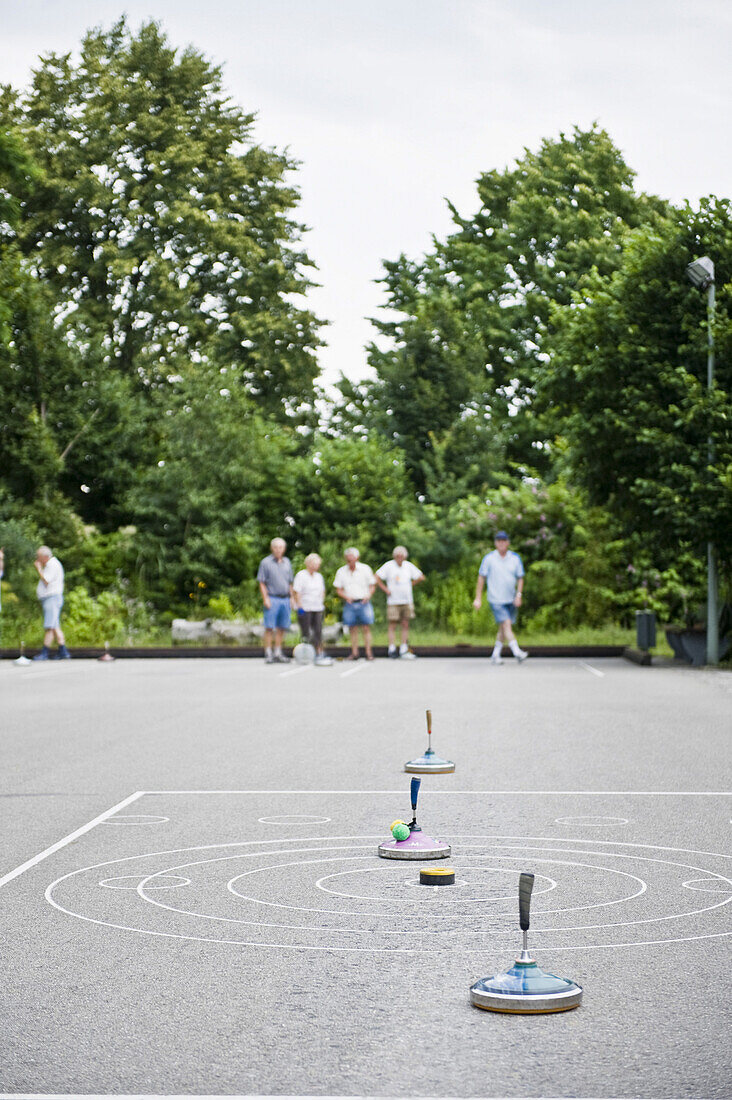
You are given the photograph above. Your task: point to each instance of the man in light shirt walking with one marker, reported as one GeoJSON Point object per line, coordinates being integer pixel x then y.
{"type": "Point", "coordinates": [503, 572]}
{"type": "Point", "coordinates": [50, 591]}
{"type": "Point", "coordinates": [355, 583]}
{"type": "Point", "coordinates": [396, 578]}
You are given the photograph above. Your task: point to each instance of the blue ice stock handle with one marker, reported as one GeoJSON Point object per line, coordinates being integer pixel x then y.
{"type": "Point", "coordinates": [415, 785]}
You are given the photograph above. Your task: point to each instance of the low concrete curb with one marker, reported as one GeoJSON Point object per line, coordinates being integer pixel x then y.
{"type": "Point", "coordinates": [94, 652]}
{"type": "Point", "coordinates": [638, 656]}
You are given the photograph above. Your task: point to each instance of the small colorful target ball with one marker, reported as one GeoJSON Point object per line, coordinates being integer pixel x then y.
{"type": "Point", "coordinates": [400, 831]}
{"type": "Point", "coordinates": [397, 822]}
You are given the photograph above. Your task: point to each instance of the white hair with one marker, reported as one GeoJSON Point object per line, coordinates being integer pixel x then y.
{"type": "Point", "coordinates": [313, 559]}
{"type": "Point", "coordinates": [403, 550]}
{"type": "Point", "coordinates": [277, 542]}
{"type": "Point", "coordinates": [351, 550]}
{"type": "Point", "coordinates": [45, 550]}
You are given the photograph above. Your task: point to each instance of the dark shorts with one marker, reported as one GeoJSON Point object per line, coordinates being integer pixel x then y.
{"type": "Point", "coordinates": [311, 625]}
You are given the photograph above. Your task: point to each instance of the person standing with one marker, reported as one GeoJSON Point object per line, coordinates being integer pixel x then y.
{"type": "Point", "coordinates": [503, 572]}
{"type": "Point", "coordinates": [396, 578]}
{"type": "Point", "coordinates": [309, 593]}
{"type": "Point", "coordinates": [275, 584]}
{"type": "Point", "coordinates": [2, 573]}
{"type": "Point", "coordinates": [355, 583]}
{"type": "Point", "coordinates": [50, 591]}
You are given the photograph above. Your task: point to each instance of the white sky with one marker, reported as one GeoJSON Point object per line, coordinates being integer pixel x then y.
{"type": "Point", "coordinates": [392, 105]}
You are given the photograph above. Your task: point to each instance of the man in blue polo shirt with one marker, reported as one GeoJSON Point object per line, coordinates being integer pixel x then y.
{"type": "Point", "coordinates": [275, 583]}
{"type": "Point", "coordinates": [503, 572]}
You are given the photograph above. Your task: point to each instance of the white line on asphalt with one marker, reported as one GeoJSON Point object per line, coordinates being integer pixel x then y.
{"type": "Point", "coordinates": [301, 790]}
{"type": "Point", "coordinates": [34, 674]}
{"type": "Point", "coordinates": [295, 671]}
{"type": "Point", "coordinates": [594, 671]}
{"type": "Point", "coordinates": [67, 839]}
{"type": "Point", "coordinates": [330, 839]}
{"type": "Point", "coordinates": [350, 671]}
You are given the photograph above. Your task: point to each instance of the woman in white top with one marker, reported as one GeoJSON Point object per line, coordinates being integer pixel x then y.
{"type": "Point", "coordinates": [309, 589]}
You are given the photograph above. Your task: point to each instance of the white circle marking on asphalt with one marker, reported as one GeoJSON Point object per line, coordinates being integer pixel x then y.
{"type": "Point", "coordinates": [294, 819]}
{"type": "Point", "coordinates": [499, 851]}
{"type": "Point", "coordinates": [594, 822]}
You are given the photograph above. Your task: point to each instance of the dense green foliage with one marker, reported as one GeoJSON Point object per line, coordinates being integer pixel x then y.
{"type": "Point", "coordinates": [460, 382]}
{"type": "Point", "coordinates": [542, 369]}
{"type": "Point", "coordinates": [629, 379]}
{"type": "Point", "coordinates": [553, 339]}
{"type": "Point", "coordinates": [161, 243]}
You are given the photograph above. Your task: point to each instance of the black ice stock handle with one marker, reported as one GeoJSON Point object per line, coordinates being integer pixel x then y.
{"type": "Point", "coordinates": [526, 885]}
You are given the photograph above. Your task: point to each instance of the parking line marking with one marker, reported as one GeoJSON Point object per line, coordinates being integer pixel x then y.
{"type": "Point", "coordinates": [295, 671]}
{"type": "Point", "coordinates": [594, 671]}
{"type": "Point", "coordinates": [140, 794]}
{"type": "Point", "coordinates": [350, 671]}
{"type": "Point", "coordinates": [67, 839]}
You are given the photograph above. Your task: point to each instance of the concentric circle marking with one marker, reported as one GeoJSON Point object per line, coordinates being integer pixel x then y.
{"type": "Point", "coordinates": [485, 897]}
{"type": "Point", "coordinates": [135, 819]}
{"type": "Point", "coordinates": [131, 882]}
{"type": "Point", "coordinates": [709, 885]}
{"type": "Point", "coordinates": [586, 876]}
{"type": "Point", "coordinates": [294, 819]}
{"type": "Point", "coordinates": [592, 821]}
{"type": "Point", "coordinates": [443, 886]}
{"type": "Point", "coordinates": [404, 915]}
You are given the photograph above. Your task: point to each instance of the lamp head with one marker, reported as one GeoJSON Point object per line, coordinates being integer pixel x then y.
{"type": "Point", "coordinates": [701, 272]}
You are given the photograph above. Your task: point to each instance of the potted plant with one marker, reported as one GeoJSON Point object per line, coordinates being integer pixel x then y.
{"type": "Point", "coordinates": [689, 639]}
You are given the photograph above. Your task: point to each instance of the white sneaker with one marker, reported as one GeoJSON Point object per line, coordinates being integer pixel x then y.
{"type": "Point", "coordinates": [323, 661]}
{"type": "Point", "coordinates": [407, 655]}
{"type": "Point", "coordinates": [496, 660]}
{"type": "Point", "coordinates": [521, 655]}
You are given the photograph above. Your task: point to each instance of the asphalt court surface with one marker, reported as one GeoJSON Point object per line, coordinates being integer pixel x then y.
{"type": "Point", "coordinates": [306, 882]}
{"type": "Point", "coordinates": [215, 937]}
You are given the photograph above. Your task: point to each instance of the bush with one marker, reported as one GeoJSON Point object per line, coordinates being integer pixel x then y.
{"type": "Point", "coordinates": [90, 621]}
{"type": "Point", "coordinates": [19, 618]}
{"type": "Point", "coordinates": [581, 569]}
{"type": "Point", "coordinates": [221, 607]}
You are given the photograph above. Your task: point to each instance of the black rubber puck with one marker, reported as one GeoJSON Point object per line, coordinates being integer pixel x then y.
{"type": "Point", "coordinates": [437, 876]}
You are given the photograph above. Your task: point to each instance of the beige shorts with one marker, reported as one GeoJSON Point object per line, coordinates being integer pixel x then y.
{"type": "Point", "coordinates": [399, 612]}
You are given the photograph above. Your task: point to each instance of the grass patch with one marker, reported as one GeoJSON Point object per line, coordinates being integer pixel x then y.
{"type": "Point", "coordinates": [90, 622]}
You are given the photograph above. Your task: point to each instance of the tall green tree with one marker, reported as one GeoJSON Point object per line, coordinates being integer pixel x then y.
{"type": "Point", "coordinates": [470, 344]}
{"type": "Point", "coordinates": [18, 173]}
{"type": "Point", "coordinates": [30, 352]}
{"type": "Point", "coordinates": [349, 491]}
{"type": "Point", "coordinates": [164, 236]}
{"type": "Point", "coordinates": [629, 377]}
{"type": "Point", "coordinates": [220, 487]}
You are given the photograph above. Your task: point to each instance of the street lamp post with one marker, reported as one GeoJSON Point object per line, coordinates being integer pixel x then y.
{"type": "Point", "coordinates": [701, 274]}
